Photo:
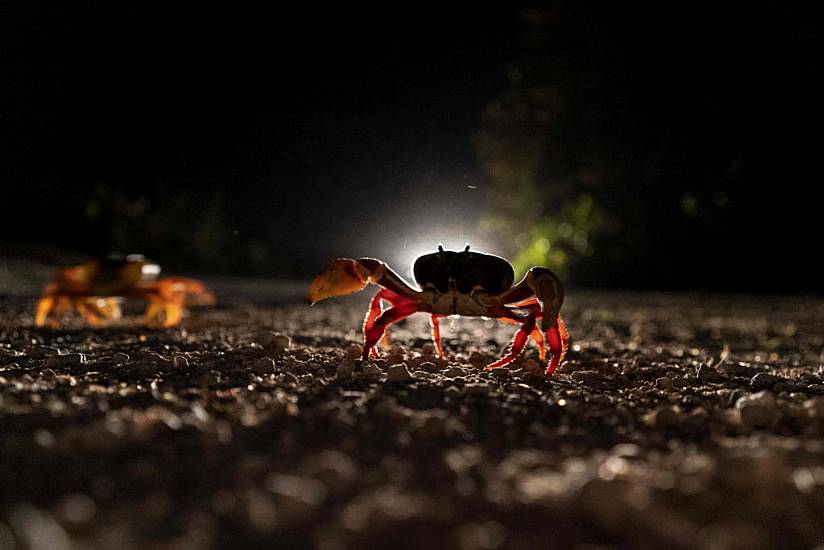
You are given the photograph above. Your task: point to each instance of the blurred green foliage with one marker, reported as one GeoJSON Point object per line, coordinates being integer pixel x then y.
{"type": "Point", "coordinates": [175, 225]}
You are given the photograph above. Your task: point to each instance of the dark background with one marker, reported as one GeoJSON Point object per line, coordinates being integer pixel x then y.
{"type": "Point", "coordinates": [267, 140]}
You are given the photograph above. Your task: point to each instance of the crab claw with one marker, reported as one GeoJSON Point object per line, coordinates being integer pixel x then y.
{"type": "Point", "coordinates": [342, 276]}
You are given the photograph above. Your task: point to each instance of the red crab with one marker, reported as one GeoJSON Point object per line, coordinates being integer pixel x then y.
{"type": "Point", "coordinates": [96, 289]}
{"type": "Point", "coordinates": [464, 283]}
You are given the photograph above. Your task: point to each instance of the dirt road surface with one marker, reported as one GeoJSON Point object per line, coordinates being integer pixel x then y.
{"type": "Point", "coordinates": [678, 421]}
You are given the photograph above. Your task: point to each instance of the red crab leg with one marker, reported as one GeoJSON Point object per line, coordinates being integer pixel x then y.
{"type": "Point", "coordinates": [556, 334]}
{"type": "Point", "coordinates": [517, 345]}
{"type": "Point", "coordinates": [392, 315]}
{"type": "Point", "coordinates": [558, 339]}
{"type": "Point", "coordinates": [436, 332]}
{"type": "Point", "coordinates": [375, 310]}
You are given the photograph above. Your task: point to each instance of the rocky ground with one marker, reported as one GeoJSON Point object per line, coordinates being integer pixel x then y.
{"type": "Point", "coordinates": [679, 421]}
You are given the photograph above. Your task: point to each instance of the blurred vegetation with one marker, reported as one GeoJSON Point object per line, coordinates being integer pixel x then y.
{"type": "Point", "coordinates": [598, 153]}
{"type": "Point", "coordinates": [180, 226]}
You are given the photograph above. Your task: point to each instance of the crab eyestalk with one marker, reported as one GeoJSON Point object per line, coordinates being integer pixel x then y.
{"type": "Point", "coordinates": [341, 277]}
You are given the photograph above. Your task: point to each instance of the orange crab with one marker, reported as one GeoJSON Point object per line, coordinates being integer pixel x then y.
{"type": "Point", "coordinates": [97, 288]}
{"type": "Point", "coordinates": [455, 283]}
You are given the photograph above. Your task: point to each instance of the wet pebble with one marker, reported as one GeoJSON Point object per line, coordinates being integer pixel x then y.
{"type": "Point", "coordinates": [66, 360]}
{"type": "Point", "coordinates": [452, 372]}
{"type": "Point", "coordinates": [398, 373]}
{"type": "Point", "coordinates": [120, 358]}
{"type": "Point", "coordinates": [371, 372]}
{"type": "Point", "coordinates": [274, 341]}
{"type": "Point", "coordinates": [664, 417]}
{"type": "Point", "coordinates": [264, 365]}
{"type": "Point", "coordinates": [181, 362]}
{"type": "Point", "coordinates": [757, 409]}
{"type": "Point", "coordinates": [763, 381]}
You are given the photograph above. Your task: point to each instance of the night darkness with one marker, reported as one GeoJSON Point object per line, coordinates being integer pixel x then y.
{"type": "Point", "coordinates": [277, 139]}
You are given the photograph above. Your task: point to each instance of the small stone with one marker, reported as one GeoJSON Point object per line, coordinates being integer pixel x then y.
{"type": "Point", "coordinates": [664, 383]}
{"type": "Point", "coordinates": [181, 362]}
{"type": "Point", "coordinates": [452, 391]}
{"type": "Point", "coordinates": [397, 373]}
{"type": "Point", "coordinates": [452, 372]}
{"type": "Point", "coordinates": [501, 373]}
{"type": "Point", "coordinates": [120, 358]}
{"type": "Point", "coordinates": [763, 381]}
{"type": "Point", "coordinates": [289, 378]}
{"type": "Point", "coordinates": [707, 374]}
{"type": "Point", "coordinates": [67, 360]}
{"type": "Point", "coordinates": [428, 366]}
{"type": "Point", "coordinates": [353, 351]}
{"type": "Point", "coordinates": [371, 371]}
{"type": "Point", "coordinates": [275, 341]}
{"type": "Point", "coordinates": [428, 349]}
{"type": "Point", "coordinates": [757, 409]}
{"type": "Point", "coordinates": [588, 377]}
{"type": "Point", "coordinates": [664, 417]}
{"type": "Point", "coordinates": [344, 370]}
{"type": "Point", "coordinates": [264, 365]}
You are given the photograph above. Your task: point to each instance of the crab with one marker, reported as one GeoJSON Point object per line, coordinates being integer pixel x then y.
{"type": "Point", "coordinates": [97, 288]}
{"type": "Point", "coordinates": [465, 283]}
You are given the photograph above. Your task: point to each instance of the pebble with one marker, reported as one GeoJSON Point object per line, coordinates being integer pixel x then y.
{"type": "Point", "coordinates": [275, 341]}
{"type": "Point", "coordinates": [664, 417]}
{"type": "Point", "coordinates": [397, 373]}
{"type": "Point", "coordinates": [181, 362]}
{"type": "Point", "coordinates": [664, 383]}
{"type": "Point", "coordinates": [120, 358]}
{"type": "Point", "coordinates": [371, 371]}
{"type": "Point", "coordinates": [289, 378]}
{"type": "Point", "coordinates": [344, 370]}
{"type": "Point", "coordinates": [428, 366]}
{"type": "Point", "coordinates": [353, 351]}
{"type": "Point", "coordinates": [707, 374]}
{"type": "Point", "coordinates": [501, 373]}
{"type": "Point", "coordinates": [452, 372]}
{"type": "Point", "coordinates": [67, 360]}
{"type": "Point", "coordinates": [264, 365]}
{"type": "Point", "coordinates": [757, 409]}
{"type": "Point", "coordinates": [763, 381]}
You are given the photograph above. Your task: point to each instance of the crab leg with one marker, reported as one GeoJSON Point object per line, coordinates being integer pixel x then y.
{"type": "Point", "coordinates": [44, 307]}
{"type": "Point", "coordinates": [372, 335]}
{"type": "Point", "coordinates": [517, 345]}
{"type": "Point", "coordinates": [542, 287]}
{"type": "Point", "coordinates": [436, 333]}
{"type": "Point", "coordinates": [375, 310]}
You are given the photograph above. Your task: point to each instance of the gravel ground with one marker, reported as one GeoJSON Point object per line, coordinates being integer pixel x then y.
{"type": "Point", "coordinates": [679, 421]}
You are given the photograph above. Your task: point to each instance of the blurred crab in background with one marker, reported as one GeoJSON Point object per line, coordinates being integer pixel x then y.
{"type": "Point", "coordinates": [455, 283]}
{"type": "Point", "coordinates": [97, 289]}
